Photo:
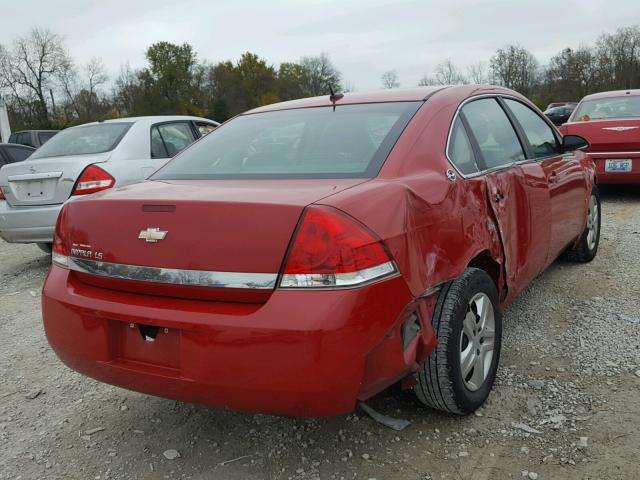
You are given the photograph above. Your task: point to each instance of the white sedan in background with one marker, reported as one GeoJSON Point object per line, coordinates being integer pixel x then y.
{"type": "Point", "coordinates": [83, 160]}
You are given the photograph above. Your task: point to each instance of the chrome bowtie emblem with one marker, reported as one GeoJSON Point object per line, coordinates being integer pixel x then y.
{"type": "Point", "coordinates": [618, 129]}
{"type": "Point", "coordinates": [152, 235]}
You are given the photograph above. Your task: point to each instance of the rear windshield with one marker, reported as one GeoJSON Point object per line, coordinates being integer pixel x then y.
{"type": "Point", "coordinates": [614, 107]}
{"type": "Point", "coordinates": [322, 142]}
{"type": "Point", "coordinates": [83, 140]}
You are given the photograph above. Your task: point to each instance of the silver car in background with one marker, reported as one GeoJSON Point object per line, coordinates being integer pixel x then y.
{"type": "Point", "coordinates": [83, 160]}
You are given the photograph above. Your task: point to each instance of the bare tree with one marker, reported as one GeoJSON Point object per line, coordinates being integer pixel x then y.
{"type": "Point", "coordinates": [31, 68]}
{"type": "Point", "coordinates": [319, 75]}
{"type": "Point", "coordinates": [514, 67]}
{"type": "Point", "coordinates": [572, 74]}
{"type": "Point", "coordinates": [477, 73]}
{"type": "Point", "coordinates": [445, 73]}
{"type": "Point", "coordinates": [618, 58]}
{"type": "Point", "coordinates": [427, 81]}
{"type": "Point", "coordinates": [389, 79]}
{"type": "Point", "coordinates": [96, 74]}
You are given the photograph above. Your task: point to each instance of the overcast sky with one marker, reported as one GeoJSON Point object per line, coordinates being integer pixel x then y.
{"type": "Point", "coordinates": [364, 38]}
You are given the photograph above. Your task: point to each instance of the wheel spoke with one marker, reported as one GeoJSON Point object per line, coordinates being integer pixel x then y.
{"type": "Point", "coordinates": [482, 306]}
{"type": "Point", "coordinates": [477, 378]}
{"type": "Point", "coordinates": [468, 325]}
{"type": "Point", "coordinates": [467, 360]}
{"type": "Point", "coordinates": [487, 340]}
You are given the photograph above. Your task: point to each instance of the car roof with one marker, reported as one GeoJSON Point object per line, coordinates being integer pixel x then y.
{"type": "Point", "coordinates": [612, 93]}
{"type": "Point", "coordinates": [416, 94]}
{"type": "Point", "coordinates": [150, 119]}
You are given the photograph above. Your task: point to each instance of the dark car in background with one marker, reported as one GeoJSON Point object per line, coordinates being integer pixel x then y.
{"type": "Point", "coordinates": [559, 115]}
{"type": "Point", "coordinates": [32, 138]}
{"type": "Point", "coordinates": [561, 104]}
{"type": "Point", "coordinates": [11, 153]}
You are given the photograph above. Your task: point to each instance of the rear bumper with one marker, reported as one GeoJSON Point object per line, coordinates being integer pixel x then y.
{"type": "Point", "coordinates": [302, 353]}
{"type": "Point", "coordinates": [33, 224]}
{"type": "Point", "coordinates": [604, 177]}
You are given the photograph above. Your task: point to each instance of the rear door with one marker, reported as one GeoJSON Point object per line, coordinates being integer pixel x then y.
{"type": "Point", "coordinates": [565, 177]}
{"type": "Point", "coordinates": [518, 193]}
{"type": "Point", "coordinates": [167, 140]}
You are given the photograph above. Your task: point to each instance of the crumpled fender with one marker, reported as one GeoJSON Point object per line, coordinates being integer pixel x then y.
{"type": "Point", "coordinates": [433, 227]}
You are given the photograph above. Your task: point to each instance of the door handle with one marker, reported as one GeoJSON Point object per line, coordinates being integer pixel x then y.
{"type": "Point", "coordinates": [497, 195]}
{"type": "Point", "coordinates": [553, 177]}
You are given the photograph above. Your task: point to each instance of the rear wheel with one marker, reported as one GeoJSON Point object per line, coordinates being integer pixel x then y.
{"type": "Point", "coordinates": [458, 375]}
{"type": "Point", "coordinates": [587, 247]}
{"type": "Point", "coordinates": [45, 247]}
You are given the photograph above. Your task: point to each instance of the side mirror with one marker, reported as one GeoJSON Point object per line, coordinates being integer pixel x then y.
{"type": "Point", "coordinates": [573, 142]}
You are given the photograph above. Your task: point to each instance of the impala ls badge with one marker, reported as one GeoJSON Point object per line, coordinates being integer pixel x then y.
{"type": "Point", "coordinates": [618, 129]}
{"type": "Point", "coordinates": [152, 235]}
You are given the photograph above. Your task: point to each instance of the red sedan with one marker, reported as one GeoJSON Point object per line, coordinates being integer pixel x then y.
{"type": "Point", "coordinates": [610, 121]}
{"type": "Point", "coordinates": [309, 254]}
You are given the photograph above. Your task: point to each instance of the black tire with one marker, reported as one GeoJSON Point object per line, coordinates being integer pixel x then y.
{"type": "Point", "coordinates": [45, 247]}
{"type": "Point", "coordinates": [440, 382]}
{"type": "Point", "coordinates": [584, 251]}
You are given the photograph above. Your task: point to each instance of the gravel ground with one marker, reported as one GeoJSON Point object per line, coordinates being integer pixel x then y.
{"type": "Point", "coordinates": [565, 406]}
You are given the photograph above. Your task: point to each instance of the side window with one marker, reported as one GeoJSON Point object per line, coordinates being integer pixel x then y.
{"type": "Point", "coordinates": [18, 154]}
{"type": "Point", "coordinates": [175, 136]}
{"type": "Point", "coordinates": [494, 133]}
{"type": "Point", "coordinates": [540, 135]}
{"type": "Point", "coordinates": [205, 128]}
{"type": "Point", "coordinates": [157, 145]}
{"type": "Point", "coordinates": [460, 151]}
{"type": "Point", "coordinates": [25, 138]}
{"type": "Point", "coordinates": [43, 137]}
{"type": "Point", "coordinates": [13, 138]}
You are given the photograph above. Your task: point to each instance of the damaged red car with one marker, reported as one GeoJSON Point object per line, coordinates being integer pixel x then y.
{"type": "Point", "coordinates": [308, 254]}
{"type": "Point", "coordinates": [610, 121]}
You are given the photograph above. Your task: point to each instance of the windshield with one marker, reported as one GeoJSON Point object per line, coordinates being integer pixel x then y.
{"type": "Point", "coordinates": [350, 141]}
{"type": "Point", "coordinates": [614, 107]}
{"type": "Point", "coordinates": [84, 140]}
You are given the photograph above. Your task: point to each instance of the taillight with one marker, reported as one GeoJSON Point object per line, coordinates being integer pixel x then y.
{"type": "Point", "coordinates": [331, 249]}
{"type": "Point", "coordinates": [93, 179]}
{"type": "Point", "coordinates": [60, 248]}
{"type": "Point", "coordinates": [1, 194]}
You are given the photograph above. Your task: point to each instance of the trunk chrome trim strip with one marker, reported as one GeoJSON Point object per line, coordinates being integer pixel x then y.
{"type": "Point", "coordinates": [25, 177]}
{"type": "Point", "coordinates": [197, 278]}
{"type": "Point", "coordinates": [635, 152]}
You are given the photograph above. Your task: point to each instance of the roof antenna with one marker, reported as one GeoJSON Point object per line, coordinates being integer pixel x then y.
{"type": "Point", "coordinates": [334, 97]}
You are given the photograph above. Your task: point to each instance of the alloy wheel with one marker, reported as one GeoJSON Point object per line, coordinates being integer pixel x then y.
{"type": "Point", "coordinates": [477, 341]}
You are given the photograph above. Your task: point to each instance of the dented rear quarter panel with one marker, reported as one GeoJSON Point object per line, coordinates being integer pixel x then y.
{"type": "Point", "coordinates": [433, 227]}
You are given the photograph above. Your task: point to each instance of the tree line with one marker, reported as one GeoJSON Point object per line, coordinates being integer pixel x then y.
{"type": "Point", "coordinates": [44, 88]}
{"type": "Point", "coordinates": [612, 63]}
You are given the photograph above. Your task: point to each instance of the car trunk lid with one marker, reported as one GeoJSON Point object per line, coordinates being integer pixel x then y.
{"type": "Point", "coordinates": [214, 239]}
{"type": "Point", "coordinates": [621, 135]}
{"type": "Point", "coordinates": [46, 181]}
